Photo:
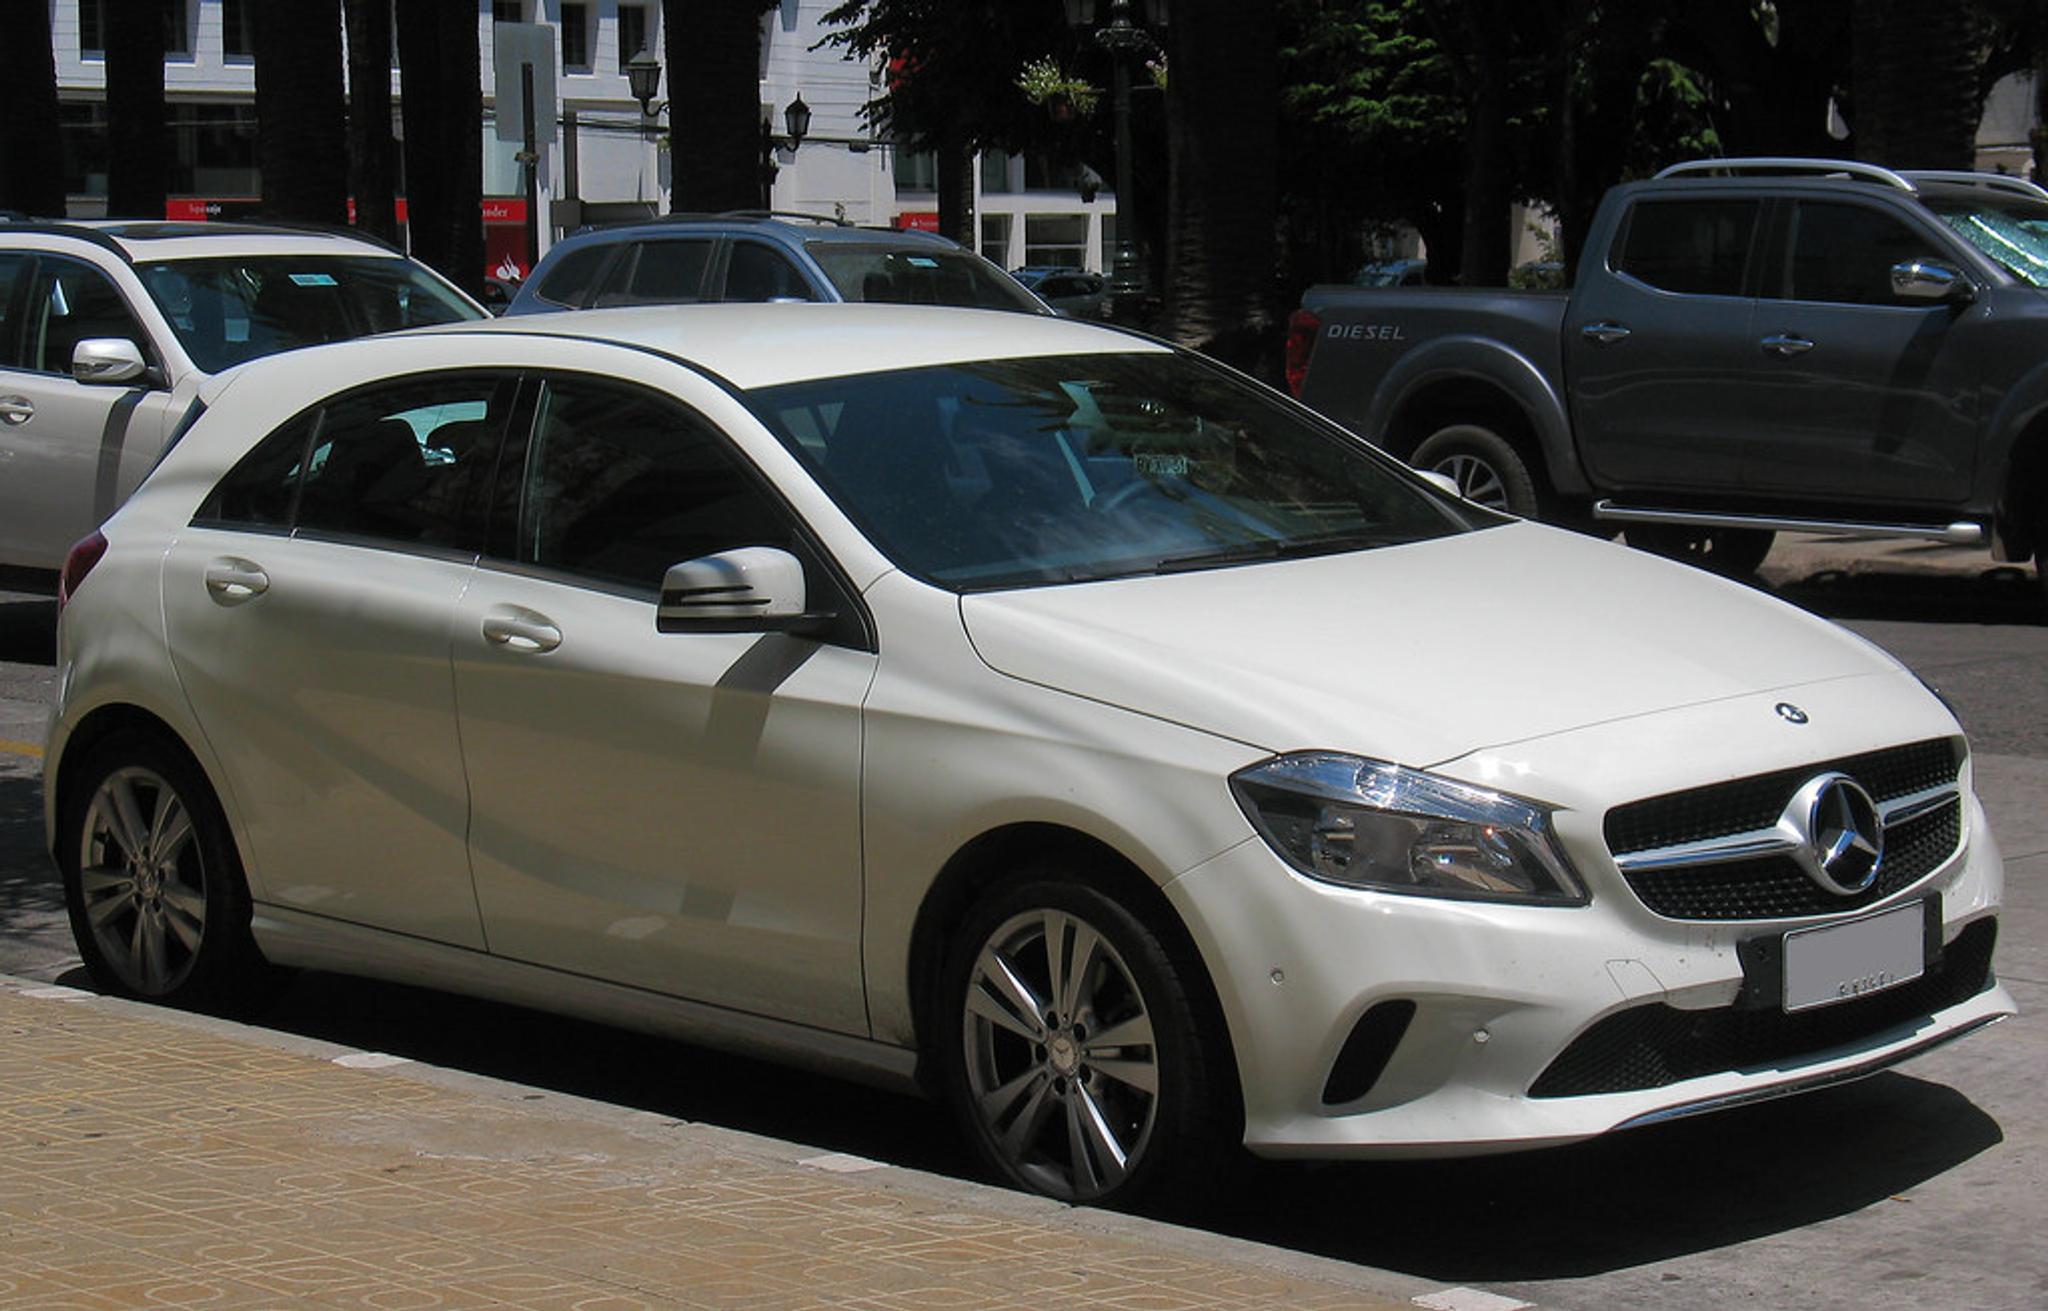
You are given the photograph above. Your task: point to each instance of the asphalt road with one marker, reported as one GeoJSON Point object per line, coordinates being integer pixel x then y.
{"type": "Point", "coordinates": [1925, 1187]}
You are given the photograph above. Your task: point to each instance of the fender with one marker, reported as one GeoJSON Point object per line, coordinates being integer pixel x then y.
{"type": "Point", "coordinates": [2024, 403]}
{"type": "Point", "coordinates": [1442, 359]}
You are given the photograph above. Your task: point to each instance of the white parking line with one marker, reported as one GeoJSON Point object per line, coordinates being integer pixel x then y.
{"type": "Point", "coordinates": [1469, 1299]}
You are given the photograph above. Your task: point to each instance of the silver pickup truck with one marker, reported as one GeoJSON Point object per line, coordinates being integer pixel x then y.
{"type": "Point", "coordinates": [1751, 346]}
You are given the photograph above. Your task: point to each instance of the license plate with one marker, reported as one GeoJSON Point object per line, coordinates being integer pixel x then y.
{"type": "Point", "coordinates": [1845, 961]}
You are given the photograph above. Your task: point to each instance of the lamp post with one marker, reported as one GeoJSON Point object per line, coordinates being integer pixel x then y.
{"type": "Point", "coordinates": [1125, 42]}
{"type": "Point", "coordinates": [643, 79]}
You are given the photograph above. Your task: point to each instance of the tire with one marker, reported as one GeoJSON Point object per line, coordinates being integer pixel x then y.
{"type": "Point", "coordinates": [1736, 552]}
{"type": "Point", "coordinates": [1049, 1106]}
{"type": "Point", "coordinates": [157, 898]}
{"type": "Point", "coordinates": [1487, 469]}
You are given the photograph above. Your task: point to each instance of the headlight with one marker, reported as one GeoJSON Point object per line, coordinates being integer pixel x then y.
{"type": "Point", "coordinates": [1369, 824]}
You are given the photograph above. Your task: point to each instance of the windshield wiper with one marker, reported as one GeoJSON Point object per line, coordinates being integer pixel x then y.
{"type": "Point", "coordinates": [1276, 548]}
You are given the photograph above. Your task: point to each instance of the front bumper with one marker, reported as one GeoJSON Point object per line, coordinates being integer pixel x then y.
{"type": "Point", "coordinates": [1500, 992]}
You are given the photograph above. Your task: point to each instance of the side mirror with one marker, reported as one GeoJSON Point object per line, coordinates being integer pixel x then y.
{"type": "Point", "coordinates": [1930, 281]}
{"type": "Point", "coordinates": [1442, 480]}
{"type": "Point", "coordinates": [106, 360]}
{"type": "Point", "coordinates": [751, 589]}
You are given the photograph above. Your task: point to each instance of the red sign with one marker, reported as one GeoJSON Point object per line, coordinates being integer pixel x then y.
{"type": "Point", "coordinates": [504, 224]}
{"type": "Point", "coordinates": [918, 220]}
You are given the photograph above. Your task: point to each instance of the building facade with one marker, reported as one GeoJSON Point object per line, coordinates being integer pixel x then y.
{"type": "Point", "coordinates": [607, 160]}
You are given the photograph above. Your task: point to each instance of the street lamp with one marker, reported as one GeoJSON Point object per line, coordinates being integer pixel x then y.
{"type": "Point", "coordinates": [1125, 42]}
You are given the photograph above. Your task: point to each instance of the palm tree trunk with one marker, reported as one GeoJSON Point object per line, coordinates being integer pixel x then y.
{"type": "Point", "coordinates": [31, 152]}
{"type": "Point", "coordinates": [301, 137]}
{"type": "Point", "coordinates": [440, 79]}
{"type": "Point", "coordinates": [1913, 68]}
{"type": "Point", "coordinates": [372, 153]}
{"type": "Point", "coordinates": [714, 110]}
{"type": "Point", "coordinates": [955, 169]}
{"type": "Point", "coordinates": [1222, 216]}
{"type": "Point", "coordinates": [137, 145]}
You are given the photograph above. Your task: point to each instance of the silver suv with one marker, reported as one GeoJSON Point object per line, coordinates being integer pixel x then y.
{"type": "Point", "coordinates": [107, 328]}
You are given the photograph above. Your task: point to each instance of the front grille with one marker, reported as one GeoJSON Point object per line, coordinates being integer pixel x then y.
{"type": "Point", "coordinates": [1657, 1045]}
{"type": "Point", "coordinates": [1774, 887]}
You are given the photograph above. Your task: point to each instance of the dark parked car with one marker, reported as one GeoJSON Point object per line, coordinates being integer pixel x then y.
{"type": "Point", "coordinates": [753, 257]}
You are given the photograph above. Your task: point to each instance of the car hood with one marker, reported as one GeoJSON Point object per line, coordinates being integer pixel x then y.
{"type": "Point", "coordinates": [1417, 653]}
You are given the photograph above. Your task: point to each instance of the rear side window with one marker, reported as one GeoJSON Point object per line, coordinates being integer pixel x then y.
{"type": "Point", "coordinates": [1844, 254]}
{"type": "Point", "coordinates": [408, 462]}
{"type": "Point", "coordinates": [569, 281]}
{"type": "Point", "coordinates": [1698, 247]}
{"type": "Point", "coordinates": [658, 273]}
{"type": "Point", "coordinates": [756, 272]}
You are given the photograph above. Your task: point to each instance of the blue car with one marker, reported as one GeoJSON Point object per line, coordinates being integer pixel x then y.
{"type": "Point", "coordinates": [758, 257]}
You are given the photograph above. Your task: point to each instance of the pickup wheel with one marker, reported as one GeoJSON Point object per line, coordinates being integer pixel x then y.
{"type": "Point", "coordinates": [1733, 551]}
{"type": "Point", "coordinates": [1487, 469]}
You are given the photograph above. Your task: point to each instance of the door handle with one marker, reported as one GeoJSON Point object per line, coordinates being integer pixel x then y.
{"type": "Point", "coordinates": [233, 581]}
{"type": "Point", "coordinates": [518, 629]}
{"type": "Point", "coordinates": [16, 410]}
{"type": "Point", "coordinates": [1784, 345]}
{"type": "Point", "coordinates": [1604, 334]}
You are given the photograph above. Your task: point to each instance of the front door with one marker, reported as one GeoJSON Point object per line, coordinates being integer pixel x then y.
{"type": "Point", "coordinates": [678, 812]}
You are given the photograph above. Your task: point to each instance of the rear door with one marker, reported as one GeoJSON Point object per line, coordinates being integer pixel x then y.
{"type": "Point", "coordinates": [1858, 394]}
{"type": "Point", "coordinates": [1657, 342]}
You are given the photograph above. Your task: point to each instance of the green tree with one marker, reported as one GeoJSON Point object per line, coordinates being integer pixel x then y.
{"type": "Point", "coordinates": [31, 151]}
{"type": "Point", "coordinates": [301, 136]}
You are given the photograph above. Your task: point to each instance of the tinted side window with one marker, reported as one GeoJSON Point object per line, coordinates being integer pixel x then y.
{"type": "Point", "coordinates": [658, 273]}
{"type": "Point", "coordinates": [10, 280]}
{"type": "Point", "coordinates": [1693, 246]}
{"type": "Point", "coordinates": [569, 280]}
{"type": "Point", "coordinates": [758, 272]}
{"type": "Point", "coordinates": [406, 463]}
{"type": "Point", "coordinates": [621, 484]}
{"type": "Point", "coordinates": [70, 303]}
{"type": "Point", "coordinates": [1845, 253]}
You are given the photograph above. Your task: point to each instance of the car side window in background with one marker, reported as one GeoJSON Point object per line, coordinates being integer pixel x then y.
{"type": "Point", "coordinates": [620, 485]}
{"type": "Point", "coordinates": [1698, 247]}
{"type": "Point", "coordinates": [756, 272]}
{"type": "Point", "coordinates": [408, 462]}
{"type": "Point", "coordinates": [10, 281]}
{"type": "Point", "coordinates": [1844, 254]}
{"type": "Point", "coordinates": [658, 273]}
{"type": "Point", "coordinates": [569, 281]}
{"type": "Point", "coordinates": [73, 302]}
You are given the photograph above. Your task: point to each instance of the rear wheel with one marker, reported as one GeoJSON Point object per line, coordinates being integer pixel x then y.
{"type": "Point", "coordinates": [1487, 468]}
{"type": "Point", "coordinates": [155, 892]}
{"type": "Point", "coordinates": [1072, 1053]}
{"type": "Point", "coordinates": [1736, 552]}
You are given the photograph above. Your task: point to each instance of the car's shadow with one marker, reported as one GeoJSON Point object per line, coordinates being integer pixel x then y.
{"type": "Point", "coordinates": [1647, 1195]}
{"type": "Point", "coordinates": [1996, 594]}
{"type": "Point", "coordinates": [28, 630]}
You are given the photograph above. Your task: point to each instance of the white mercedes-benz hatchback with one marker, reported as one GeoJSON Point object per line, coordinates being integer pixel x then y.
{"type": "Point", "coordinates": [1012, 707]}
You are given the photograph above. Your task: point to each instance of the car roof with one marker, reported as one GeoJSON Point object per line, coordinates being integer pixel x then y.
{"type": "Point", "coordinates": [789, 229]}
{"type": "Point", "coordinates": [765, 345]}
{"type": "Point", "coordinates": [148, 240]}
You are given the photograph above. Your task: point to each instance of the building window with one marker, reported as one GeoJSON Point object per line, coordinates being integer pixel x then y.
{"type": "Point", "coordinates": [508, 11]}
{"type": "Point", "coordinates": [575, 38]}
{"type": "Point", "coordinates": [917, 170]}
{"type": "Point", "coordinates": [632, 32]}
{"type": "Point", "coordinates": [1056, 239]}
{"type": "Point", "coordinates": [235, 39]}
{"type": "Point", "coordinates": [92, 28]}
{"type": "Point", "coordinates": [995, 172]}
{"type": "Point", "coordinates": [995, 239]}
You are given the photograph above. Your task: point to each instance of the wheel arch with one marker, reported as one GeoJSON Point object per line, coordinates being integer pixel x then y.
{"type": "Point", "coordinates": [1001, 854]}
{"type": "Point", "coordinates": [1473, 380]}
{"type": "Point", "coordinates": [2020, 514]}
{"type": "Point", "coordinates": [97, 726]}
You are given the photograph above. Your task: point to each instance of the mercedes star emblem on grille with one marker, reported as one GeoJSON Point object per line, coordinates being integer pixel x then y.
{"type": "Point", "coordinates": [1839, 833]}
{"type": "Point", "coordinates": [1790, 713]}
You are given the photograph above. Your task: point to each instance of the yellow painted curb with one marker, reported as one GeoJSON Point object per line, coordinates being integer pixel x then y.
{"type": "Point", "coordinates": [29, 749]}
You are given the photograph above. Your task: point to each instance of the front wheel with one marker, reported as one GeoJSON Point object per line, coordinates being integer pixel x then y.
{"type": "Point", "coordinates": [1072, 1052]}
{"type": "Point", "coordinates": [1737, 552]}
{"type": "Point", "coordinates": [1488, 470]}
{"type": "Point", "coordinates": [151, 880]}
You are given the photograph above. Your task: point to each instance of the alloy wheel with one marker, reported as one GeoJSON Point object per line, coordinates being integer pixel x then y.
{"type": "Point", "coordinates": [1062, 1066]}
{"type": "Point", "coordinates": [1478, 481]}
{"type": "Point", "coordinates": [142, 879]}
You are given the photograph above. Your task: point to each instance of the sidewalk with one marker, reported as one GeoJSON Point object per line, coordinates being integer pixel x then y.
{"type": "Point", "coordinates": [1799, 556]}
{"type": "Point", "coordinates": [153, 1158]}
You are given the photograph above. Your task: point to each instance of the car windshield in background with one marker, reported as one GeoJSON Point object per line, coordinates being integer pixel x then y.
{"type": "Point", "coordinates": [934, 276]}
{"type": "Point", "coordinates": [229, 310]}
{"type": "Point", "coordinates": [1064, 469]}
{"type": "Point", "coordinates": [2014, 232]}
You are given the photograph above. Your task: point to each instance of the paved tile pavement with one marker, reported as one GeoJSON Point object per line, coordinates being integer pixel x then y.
{"type": "Point", "coordinates": [154, 1159]}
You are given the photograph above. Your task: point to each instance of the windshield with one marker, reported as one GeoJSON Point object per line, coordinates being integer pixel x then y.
{"type": "Point", "coordinates": [1069, 468]}
{"type": "Point", "coordinates": [2013, 231]}
{"type": "Point", "coordinates": [229, 310]}
{"type": "Point", "coordinates": [922, 275]}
